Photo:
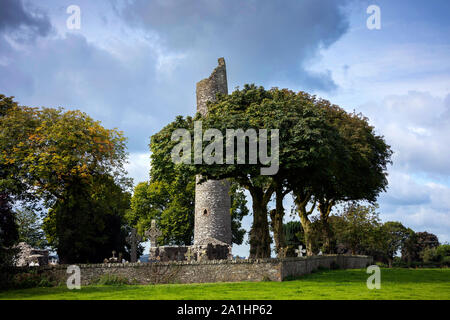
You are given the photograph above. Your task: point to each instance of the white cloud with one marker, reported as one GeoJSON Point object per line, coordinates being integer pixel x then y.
{"type": "Point", "coordinates": [138, 167]}
{"type": "Point", "coordinates": [422, 206]}
{"type": "Point", "coordinates": [416, 125]}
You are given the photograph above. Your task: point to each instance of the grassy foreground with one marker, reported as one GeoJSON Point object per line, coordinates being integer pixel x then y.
{"type": "Point", "coordinates": [396, 284]}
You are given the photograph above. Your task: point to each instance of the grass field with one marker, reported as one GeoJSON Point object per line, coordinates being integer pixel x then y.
{"type": "Point", "coordinates": [337, 284]}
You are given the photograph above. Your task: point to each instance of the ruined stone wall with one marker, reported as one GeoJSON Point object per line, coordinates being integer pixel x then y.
{"type": "Point", "coordinates": [212, 199]}
{"type": "Point", "coordinates": [209, 271]}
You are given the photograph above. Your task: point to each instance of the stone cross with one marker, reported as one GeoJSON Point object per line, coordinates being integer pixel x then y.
{"type": "Point", "coordinates": [300, 251]}
{"type": "Point", "coordinates": [188, 255]}
{"type": "Point", "coordinates": [133, 239]}
{"type": "Point", "coordinates": [153, 233]}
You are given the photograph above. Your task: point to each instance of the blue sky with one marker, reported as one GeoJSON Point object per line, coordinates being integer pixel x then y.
{"type": "Point", "coordinates": [134, 64]}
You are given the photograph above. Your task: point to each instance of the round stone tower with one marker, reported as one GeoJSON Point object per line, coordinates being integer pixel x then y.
{"type": "Point", "coordinates": [212, 199]}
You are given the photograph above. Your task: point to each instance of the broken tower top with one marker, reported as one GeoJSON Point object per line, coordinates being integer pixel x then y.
{"type": "Point", "coordinates": [208, 88]}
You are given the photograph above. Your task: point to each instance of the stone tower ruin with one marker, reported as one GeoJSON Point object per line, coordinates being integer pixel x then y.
{"type": "Point", "coordinates": [212, 199]}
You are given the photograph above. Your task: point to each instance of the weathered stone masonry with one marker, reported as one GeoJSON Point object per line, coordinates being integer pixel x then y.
{"type": "Point", "coordinates": [209, 271]}
{"type": "Point", "coordinates": [212, 199]}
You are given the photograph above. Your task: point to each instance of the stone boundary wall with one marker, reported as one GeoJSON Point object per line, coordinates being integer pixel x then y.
{"type": "Point", "coordinates": [207, 271]}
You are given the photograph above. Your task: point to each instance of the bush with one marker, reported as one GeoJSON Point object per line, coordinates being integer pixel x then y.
{"type": "Point", "coordinates": [112, 280]}
{"type": "Point", "coordinates": [31, 280]}
{"type": "Point", "coordinates": [446, 261]}
{"type": "Point", "coordinates": [439, 256]}
{"type": "Point", "coordinates": [399, 263]}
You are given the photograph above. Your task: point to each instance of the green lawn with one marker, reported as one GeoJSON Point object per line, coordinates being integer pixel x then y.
{"type": "Point", "coordinates": [336, 284]}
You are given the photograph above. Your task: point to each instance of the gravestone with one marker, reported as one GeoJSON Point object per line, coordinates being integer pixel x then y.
{"type": "Point", "coordinates": [153, 233]}
{"type": "Point", "coordinates": [189, 255]}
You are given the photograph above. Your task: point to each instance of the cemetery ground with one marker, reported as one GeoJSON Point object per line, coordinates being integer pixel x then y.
{"type": "Point", "coordinates": [396, 284]}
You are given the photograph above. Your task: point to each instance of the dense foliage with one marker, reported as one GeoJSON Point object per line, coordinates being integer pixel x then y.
{"type": "Point", "coordinates": [326, 156]}
{"type": "Point", "coordinates": [72, 166]}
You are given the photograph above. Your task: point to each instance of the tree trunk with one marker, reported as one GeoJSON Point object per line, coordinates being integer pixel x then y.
{"type": "Point", "coordinates": [276, 217]}
{"type": "Point", "coordinates": [301, 201]}
{"type": "Point", "coordinates": [259, 234]}
{"type": "Point", "coordinates": [327, 233]}
{"type": "Point", "coordinates": [307, 229]}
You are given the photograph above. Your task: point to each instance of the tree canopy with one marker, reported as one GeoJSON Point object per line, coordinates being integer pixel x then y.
{"type": "Point", "coordinates": [73, 166]}
{"type": "Point", "coordinates": [326, 155]}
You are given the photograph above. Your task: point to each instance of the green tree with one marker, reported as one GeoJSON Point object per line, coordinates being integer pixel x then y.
{"type": "Point", "coordinates": [313, 154]}
{"type": "Point", "coordinates": [256, 108]}
{"type": "Point", "coordinates": [394, 237]}
{"type": "Point", "coordinates": [55, 157]}
{"type": "Point", "coordinates": [356, 170]}
{"type": "Point", "coordinates": [358, 228]}
{"type": "Point", "coordinates": [416, 244]}
{"type": "Point", "coordinates": [88, 222]}
{"type": "Point", "coordinates": [437, 255]}
{"type": "Point", "coordinates": [30, 228]}
{"type": "Point", "coordinates": [45, 150]}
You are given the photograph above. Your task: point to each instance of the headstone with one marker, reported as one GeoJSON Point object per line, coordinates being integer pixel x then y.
{"type": "Point", "coordinates": [189, 255]}
{"type": "Point", "coordinates": [203, 255]}
{"type": "Point", "coordinates": [153, 233]}
{"type": "Point", "coordinates": [300, 251]}
{"type": "Point", "coordinates": [133, 240]}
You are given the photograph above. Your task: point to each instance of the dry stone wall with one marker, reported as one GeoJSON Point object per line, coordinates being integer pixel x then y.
{"type": "Point", "coordinates": [208, 271]}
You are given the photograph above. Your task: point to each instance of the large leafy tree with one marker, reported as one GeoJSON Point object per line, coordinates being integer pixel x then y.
{"type": "Point", "coordinates": [358, 229]}
{"type": "Point", "coordinates": [88, 222]}
{"type": "Point", "coordinates": [416, 243]}
{"type": "Point", "coordinates": [356, 170]}
{"type": "Point", "coordinates": [325, 155]}
{"type": "Point", "coordinates": [49, 149]}
{"type": "Point", "coordinates": [307, 142]}
{"type": "Point", "coordinates": [53, 157]}
{"type": "Point", "coordinates": [394, 235]}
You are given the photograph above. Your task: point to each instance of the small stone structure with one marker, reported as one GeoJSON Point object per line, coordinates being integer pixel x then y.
{"type": "Point", "coordinates": [28, 256]}
{"type": "Point", "coordinates": [209, 271]}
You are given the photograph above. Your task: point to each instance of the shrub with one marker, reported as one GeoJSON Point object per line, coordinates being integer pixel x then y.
{"type": "Point", "coordinates": [446, 261]}
{"type": "Point", "coordinates": [26, 280]}
{"type": "Point", "coordinates": [438, 256]}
